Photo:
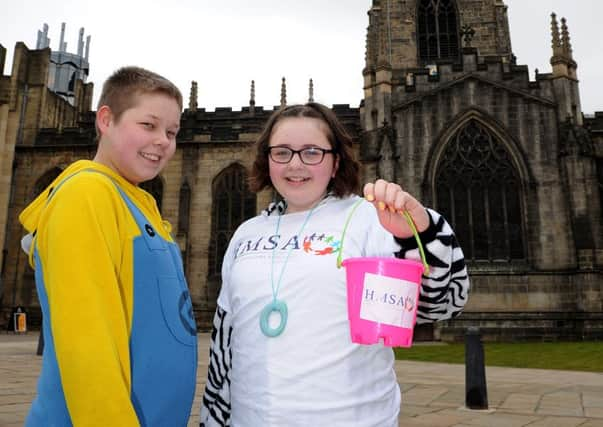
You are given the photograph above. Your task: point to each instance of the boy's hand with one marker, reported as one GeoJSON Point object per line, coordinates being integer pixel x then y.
{"type": "Point", "coordinates": [391, 201]}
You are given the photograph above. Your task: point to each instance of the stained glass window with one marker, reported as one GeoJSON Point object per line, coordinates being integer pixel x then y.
{"type": "Point", "coordinates": [478, 190]}
{"type": "Point", "coordinates": [437, 30]}
{"type": "Point", "coordinates": [233, 203]}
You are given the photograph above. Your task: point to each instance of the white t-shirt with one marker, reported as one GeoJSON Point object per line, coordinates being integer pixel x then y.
{"type": "Point", "coordinates": [311, 374]}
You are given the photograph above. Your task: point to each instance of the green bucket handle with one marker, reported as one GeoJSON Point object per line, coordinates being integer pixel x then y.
{"type": "Point", "coordinates": [410, 222]}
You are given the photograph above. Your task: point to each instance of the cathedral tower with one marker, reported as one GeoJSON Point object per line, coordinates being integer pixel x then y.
{"type": "Point", "coordinates": [450, 115]}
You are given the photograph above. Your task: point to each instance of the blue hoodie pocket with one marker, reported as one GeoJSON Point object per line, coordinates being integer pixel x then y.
{"type": "Point", "coordinates": [177, 309]}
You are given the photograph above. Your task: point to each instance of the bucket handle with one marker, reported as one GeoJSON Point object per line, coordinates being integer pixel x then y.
{"type": "Point", "coordinates": [410, 222]}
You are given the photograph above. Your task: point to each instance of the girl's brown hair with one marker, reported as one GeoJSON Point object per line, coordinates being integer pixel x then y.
{"type": "Point", "coordinates": [346, 180]}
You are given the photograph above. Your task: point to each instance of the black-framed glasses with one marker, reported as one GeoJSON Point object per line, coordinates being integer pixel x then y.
{"type": "Point", "coordinates": [308, 156]}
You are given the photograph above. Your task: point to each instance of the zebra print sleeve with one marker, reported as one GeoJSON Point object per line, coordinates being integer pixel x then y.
{"type": "Point", "coordinates": [215, 408]}
{"type": "Point", "coordinates": [445, 290]}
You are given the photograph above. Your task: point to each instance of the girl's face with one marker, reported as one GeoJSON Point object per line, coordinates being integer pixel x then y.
{"type": "Point", "coordinates": [301, 185]}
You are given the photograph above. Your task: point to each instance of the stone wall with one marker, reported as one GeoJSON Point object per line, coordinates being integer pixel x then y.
{"type": "Point", "coordinates": [393, 30]}
{"type": "Point", "coordinates": [539, 123]}
{"type": "Point", "coordinates": [400, 130]}
{"type": "Point", "coordinates": [208, 143]}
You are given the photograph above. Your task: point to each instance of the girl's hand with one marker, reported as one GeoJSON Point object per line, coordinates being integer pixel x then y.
{"type": "Point", "coordinates": [391, 201]}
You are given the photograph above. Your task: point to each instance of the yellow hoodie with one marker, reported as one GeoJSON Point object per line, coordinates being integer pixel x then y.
{"type": "Point", "coordinates": [83, 236]}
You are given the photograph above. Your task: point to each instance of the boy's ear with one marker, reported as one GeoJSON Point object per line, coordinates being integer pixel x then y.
{"type": "Point", "coordinates": [104, 117]}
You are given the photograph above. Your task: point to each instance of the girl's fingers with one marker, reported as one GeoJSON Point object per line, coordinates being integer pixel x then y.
{"type": "Point", "coordinates": [380, 192]}
{"type": "Point", "coordinates": [374, 192]}
{"type": "Point", "coordinates": [400, 201]}
{"type": "Point", "coordinates": [391, 192]}
{"type": "Point", "coordinates": [369, 191]}
{"type": "Point", "coordinates": [389, 198]}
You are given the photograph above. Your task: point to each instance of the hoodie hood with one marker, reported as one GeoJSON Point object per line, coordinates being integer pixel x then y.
{"type": "Point", "coordinates": [30, 216]}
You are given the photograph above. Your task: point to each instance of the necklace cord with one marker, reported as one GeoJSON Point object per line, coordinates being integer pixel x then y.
{"type": "Point", "coordinates": [277, 305]}
{"type": "Point", "coordinates": [280, 278]}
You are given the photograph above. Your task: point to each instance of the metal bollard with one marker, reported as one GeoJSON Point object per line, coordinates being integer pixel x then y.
{"type": "Point", "coordinates": [476, 393]}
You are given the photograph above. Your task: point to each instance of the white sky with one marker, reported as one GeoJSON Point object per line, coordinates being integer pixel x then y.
{"type": "Point", "coordinates": [225, 44]}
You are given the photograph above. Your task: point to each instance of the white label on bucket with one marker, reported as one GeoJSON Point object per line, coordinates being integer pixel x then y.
{"type": "Point", "coordinates": [388, 300]}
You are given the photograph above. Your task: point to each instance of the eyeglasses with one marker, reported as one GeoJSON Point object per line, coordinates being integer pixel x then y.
{"type": "Point", "coordinates": [308, 156]}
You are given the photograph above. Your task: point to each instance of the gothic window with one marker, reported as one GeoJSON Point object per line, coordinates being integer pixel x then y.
{"type": "Point", "coordinates": [478, 190]}
{"type": "Point", "coordinates": [437, 30]}
{"type": "Point", "coordinates": [155, 188]}
{"type": "Point", "coordinates": [600, 180]}
{"type": "Point", "coordinates": [232, 203]}
{"type": "Point", "coordinates": [184, 208]}
{"type": "Point", "coordinates": [45, 180]}
{"type": "Point", "coordinates": [27, 288]}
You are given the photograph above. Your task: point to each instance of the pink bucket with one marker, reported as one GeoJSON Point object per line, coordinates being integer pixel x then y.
{"type": "Point", "coordinates": [383, 294]}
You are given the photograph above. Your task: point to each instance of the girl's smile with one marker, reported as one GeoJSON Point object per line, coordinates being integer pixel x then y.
{"type": "Point", "coordinates": [300, 184]}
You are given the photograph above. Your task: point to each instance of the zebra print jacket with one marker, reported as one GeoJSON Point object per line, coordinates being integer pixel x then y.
{"type": "Point", "coordinates": [444, 292]}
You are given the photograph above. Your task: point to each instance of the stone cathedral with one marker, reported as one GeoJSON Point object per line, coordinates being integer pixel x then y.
{"type": "Point", "coordinates": [504, 153]}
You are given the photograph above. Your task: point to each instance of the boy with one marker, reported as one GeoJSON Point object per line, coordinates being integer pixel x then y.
{"type": "Point", "coordinates": [119, 333]}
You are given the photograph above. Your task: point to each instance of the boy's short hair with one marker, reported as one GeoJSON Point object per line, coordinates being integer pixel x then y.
{"type": "Point", "coordinates": [121, 89]}
{"type": "Point", "coordinates": [347, 177]}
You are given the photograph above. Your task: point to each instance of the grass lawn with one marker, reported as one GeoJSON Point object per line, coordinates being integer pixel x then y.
{"type": "Point", "coordinates": [573, 356]}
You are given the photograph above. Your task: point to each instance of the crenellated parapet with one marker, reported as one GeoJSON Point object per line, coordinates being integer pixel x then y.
{"type": "Point", "coordinates": [225, 125]}
{"type": "Point", "coordinates": [197, 126]}
{"type": "Point", "coordinates": [412, 84]}
{"type": "Point", "coordinates": [82, 135]}
{"type": "Point", "coordinates": [594, 125]}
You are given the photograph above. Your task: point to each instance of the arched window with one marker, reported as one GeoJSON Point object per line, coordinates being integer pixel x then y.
{"type": "Point", "coordinates": [45, 180]}
{"type": "Point", "coordinates": [184, 208]}
{"type": "Point", "coordinates": [437, 30]}
{"type": "Point", "coordinates": [478, 190]}
{"type": "Point", "coordinates": [27, 288]}
{"type": "Point", "coordinates": [155, 188]}
{"type": "Point", "coordinates": [232, 203]}
{"type": "Point", "coordinates": [600, 180]}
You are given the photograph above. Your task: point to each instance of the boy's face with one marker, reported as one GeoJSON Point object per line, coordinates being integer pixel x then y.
{"type": "Point", "coordinates": [140, 143]}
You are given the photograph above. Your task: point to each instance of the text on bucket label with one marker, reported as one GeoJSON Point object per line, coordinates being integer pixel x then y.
{"type": "Point", "coordinates": [389, 300]}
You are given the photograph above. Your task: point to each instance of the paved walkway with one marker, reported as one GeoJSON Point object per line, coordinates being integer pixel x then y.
{"type": "Point", "coordinates": [433, 393]}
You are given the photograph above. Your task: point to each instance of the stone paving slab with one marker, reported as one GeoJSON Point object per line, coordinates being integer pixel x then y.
{"type": "Point", "coordinates": [433, 394]}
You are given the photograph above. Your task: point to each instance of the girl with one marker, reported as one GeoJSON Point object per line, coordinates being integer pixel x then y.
{"type": "Point", "coordinates": [281, 352]}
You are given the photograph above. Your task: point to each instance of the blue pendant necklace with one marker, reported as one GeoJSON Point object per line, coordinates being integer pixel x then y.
{"type": "Point", "coordinates": [277, 305]}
